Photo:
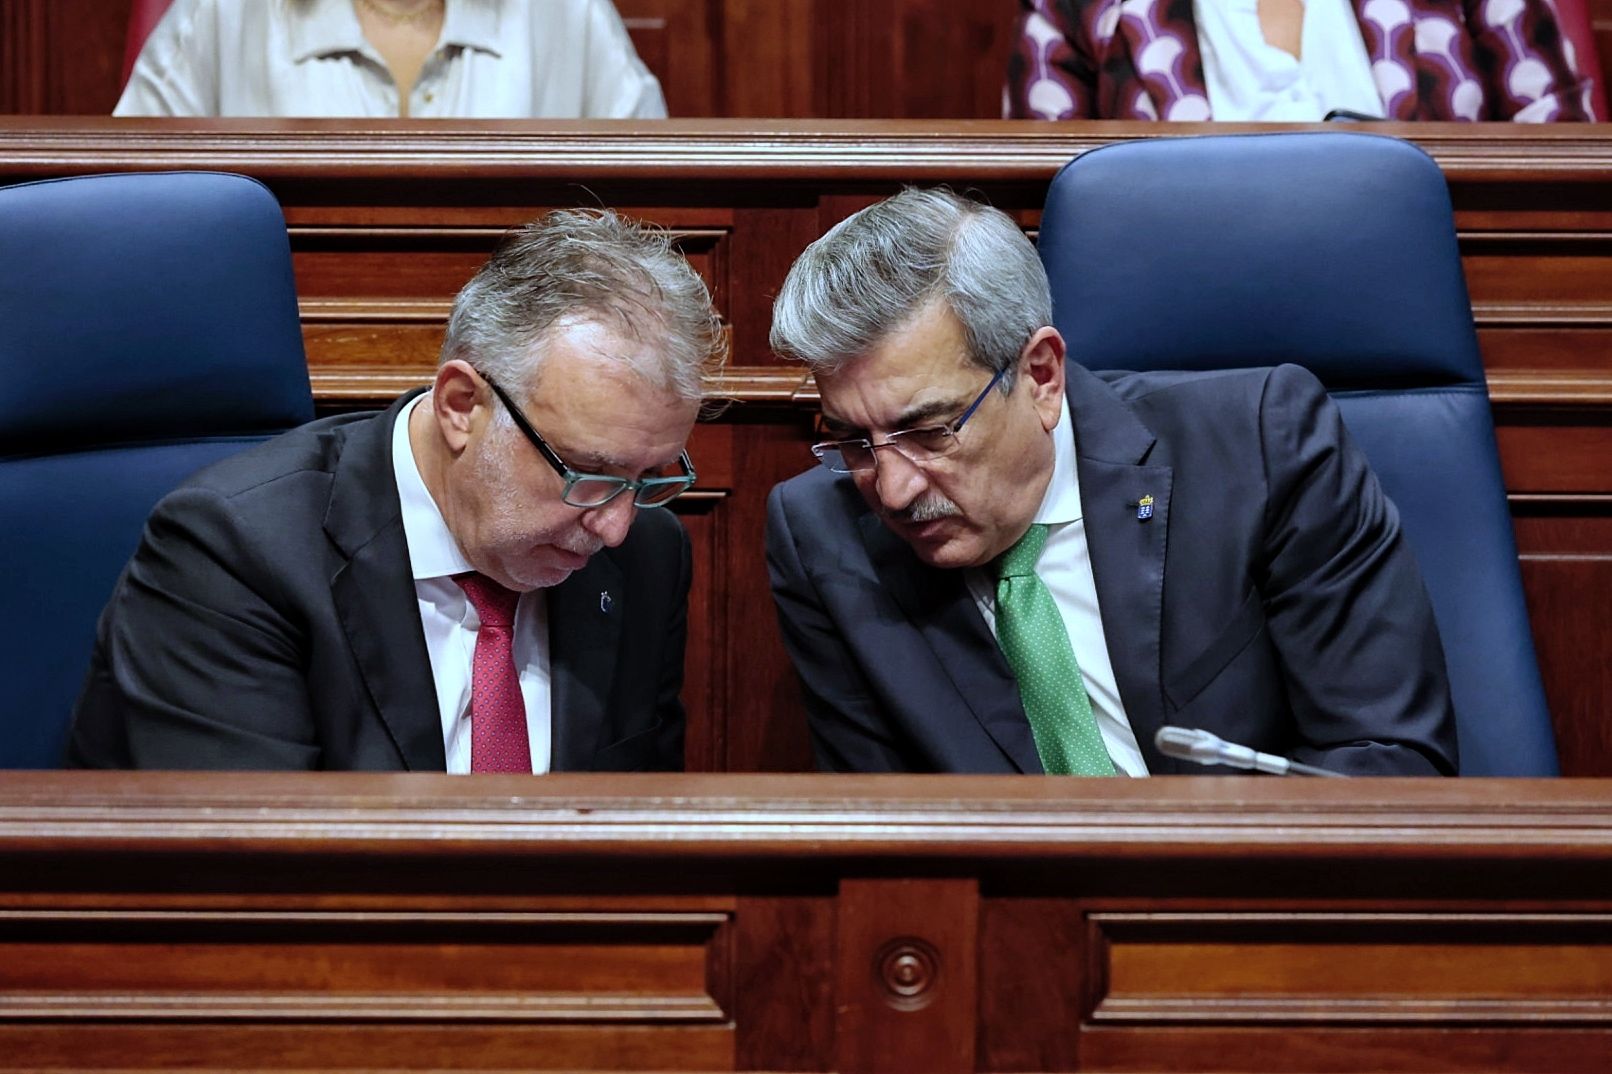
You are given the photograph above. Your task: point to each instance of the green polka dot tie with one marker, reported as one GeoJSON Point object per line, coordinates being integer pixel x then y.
{"type": "Point", "coordinates": [1032, 636]}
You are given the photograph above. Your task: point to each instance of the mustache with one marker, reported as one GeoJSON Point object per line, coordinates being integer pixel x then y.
{"type": "Point", "coordinates": [582, 545]}
{"type": "Point", "coordinates": [925, 509]}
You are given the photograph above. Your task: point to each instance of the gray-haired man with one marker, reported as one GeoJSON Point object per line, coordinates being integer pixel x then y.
{"type": "Point", "coordinates": [474, 580]}
{"type": "Point", "coordinates": [1007, 563]}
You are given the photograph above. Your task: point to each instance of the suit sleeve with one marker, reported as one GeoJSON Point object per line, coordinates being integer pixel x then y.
{"type": "Point", "coordinates": [1521, 53]}
{"type": "Point", "coordinates": [848, 727]}
{"type": "Point", "coordinates": [194, 666]}
{"type": "Point", "coordinates": [668, 752]}
{"type": "Point", "coordinates": [176, 73]}
{"type": "Point", "coordinates": [1051, 72]}
{"type": "Point", "coordinates": [1344, 600]}
{"type": "Point", "coordinates": [618, 84]}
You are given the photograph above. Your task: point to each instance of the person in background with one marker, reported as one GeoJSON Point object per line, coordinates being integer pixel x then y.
{"type": "Point", "coordinates": [1008, 563]}
{"type": "Point", "coordinates": [1294, 61]}
{"type": "Point", "coordinates": [441, 585]}
{"type": "Point", "coordinates": [492, 59]}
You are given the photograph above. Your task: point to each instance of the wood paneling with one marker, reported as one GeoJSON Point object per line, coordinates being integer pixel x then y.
{"type": "Point", "coordinates": [803, 923]}
{"type": "Point", "coordinates": [911, 59]}
{"type": "Point", "coordinates": [388, 220]}
{"type": "Point", "coordinates": [319, 966]}
{"type": "Point", "coordinates": [62, 57]}
{"type": "Point", "coordinates": [783, 986]}
{"type": "Point", "coordinates": [1566, 547]}
{"type": "Point", "coordinates": [674, 39]}
{"type": "Point", "coordinates": [1383, 969]}
{"type": "Point", "coordinates": [907, 985]}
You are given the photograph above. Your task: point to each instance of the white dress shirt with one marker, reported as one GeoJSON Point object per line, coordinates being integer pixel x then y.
{"type": "Point", "coordinates": [1250, 79]}
{"type": "Point", "coordinates": [450, 620]}
{"type": "Point", "coordinates": [495, 59]}
{"type": "Point", "coordinates": [1065, 569]}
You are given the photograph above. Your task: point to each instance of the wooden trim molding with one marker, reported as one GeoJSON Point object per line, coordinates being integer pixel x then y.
{"type": "Point", "coordinates": [805, 817]}
{"type": "Point", "coordinates": [741, 149]}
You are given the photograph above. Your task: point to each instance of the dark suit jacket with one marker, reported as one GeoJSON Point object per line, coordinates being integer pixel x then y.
{"type": "Point", "coordinates": [268, 621]}
{"type": "Point", "coordinates": [1270, 599]}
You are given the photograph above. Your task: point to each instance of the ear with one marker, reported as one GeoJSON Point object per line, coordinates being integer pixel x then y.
{"type": "Point", "coordinates": [1041, 365]}
{"type": "Point", "coordinates": [459, 402]}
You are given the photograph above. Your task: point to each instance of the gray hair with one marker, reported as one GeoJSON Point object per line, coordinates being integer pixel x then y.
{"type": "Point", "coordinates": [873, 272]}
{"type": "Point", "coordinates": [586, 264]}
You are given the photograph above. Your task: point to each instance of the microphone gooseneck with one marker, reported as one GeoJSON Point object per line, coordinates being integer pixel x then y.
{"type": "Point", "coordinates": [1201, 747]}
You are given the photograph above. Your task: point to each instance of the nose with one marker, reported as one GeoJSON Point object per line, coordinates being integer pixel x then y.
{"type": "Point", "coordinates": [897, 480]}
{"type": "Point", "coordinates": [610, 522]}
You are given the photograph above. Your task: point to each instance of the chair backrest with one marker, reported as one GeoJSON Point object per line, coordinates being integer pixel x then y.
{"type": "Point", "coordinates": [1336, 251]}
{"type": "Point", "coordinates": [148, 326]}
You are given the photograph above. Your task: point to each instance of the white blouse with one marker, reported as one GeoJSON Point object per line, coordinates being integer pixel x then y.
{"type": "Point", "coordinates": [1250, 79]}
{"type": "Point", "coordinates": [495, 59]}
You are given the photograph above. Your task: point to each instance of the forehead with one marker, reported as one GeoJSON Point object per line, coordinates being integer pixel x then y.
{"type": "Point", "coordinates": [591, 398]}
{"type": "Point", "coordinates": [922, 365]}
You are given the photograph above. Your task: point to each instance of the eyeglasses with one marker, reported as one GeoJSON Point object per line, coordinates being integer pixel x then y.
{"type": "Point", "coordinates": [596, 490]}
{"type": "Point", "coordinates": [915, 445]}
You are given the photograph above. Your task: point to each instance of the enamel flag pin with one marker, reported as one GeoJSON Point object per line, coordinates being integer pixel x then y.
{"type": "Point", "coordinates": [1144, 508]}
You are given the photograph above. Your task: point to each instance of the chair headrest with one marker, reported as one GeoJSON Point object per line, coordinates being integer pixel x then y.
{"type": "Point", "coordinates": [1334, 249]}
{"type": "Point", "coordinates": [146, 306]}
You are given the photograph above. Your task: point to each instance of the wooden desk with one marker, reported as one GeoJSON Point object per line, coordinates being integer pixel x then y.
{"type": "Point", "coordinates": [803, 923]}
{"type": "Point", "coordinates": [388, 219]}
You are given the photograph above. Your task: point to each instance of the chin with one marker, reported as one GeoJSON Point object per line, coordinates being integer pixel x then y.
{"type": "Point", "coordinates": [523, 575]}
{"type": "Point", "coordinates": [953, 554]}
{"type": "Point", "coordinates": [540, 578]}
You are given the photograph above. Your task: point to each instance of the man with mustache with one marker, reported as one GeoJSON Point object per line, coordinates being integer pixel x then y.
{"type": "Point", "coordinates": [1007, 563]}
{"type": "Point", "coordinates": [481, 578]}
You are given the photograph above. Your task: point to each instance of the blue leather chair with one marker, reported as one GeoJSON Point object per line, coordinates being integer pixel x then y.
{"type": "Point", "coordinates": [148, 327]}
{"type": "Point", "coordinates": [1336, 251]}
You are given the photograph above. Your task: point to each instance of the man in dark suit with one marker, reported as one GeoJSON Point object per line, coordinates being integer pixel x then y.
{"type": "Point", "coordinates": [1009, 564]}
{"type": "Point", "coordinates": [440, 586]}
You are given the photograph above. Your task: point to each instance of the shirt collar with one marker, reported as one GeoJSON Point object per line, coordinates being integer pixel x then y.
{"type": "Point", "coordinates": [433, 552]}
{"type": "Point", "coordinates": [473, 24]}
{"type": "Point", "coordinates": [331, 26]}
{"type": "Point", "coordinates": [1062, 500]}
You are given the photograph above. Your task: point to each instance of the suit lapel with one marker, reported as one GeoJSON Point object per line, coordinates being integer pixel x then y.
{"type": "Point", "coordinates": [1127, 552]}
{"type": "Point", "coordinates": [939, 605]}
{"type": "Point", "coordinates": [374, 592]}
{"type": "Point", "coordinates": [585, 613]}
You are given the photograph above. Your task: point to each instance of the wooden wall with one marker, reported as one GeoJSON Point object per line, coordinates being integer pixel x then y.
{"type": "Point", "coordinates": [387, 223]}
{"type": "Point", "coordinates": [898, 59]}
{"type": "Point", "coordinates": [865, 925]}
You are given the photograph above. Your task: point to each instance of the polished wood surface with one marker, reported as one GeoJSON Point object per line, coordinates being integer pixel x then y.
{"type": "Point", "coordinates": [388, 219]}
{"type": "Point", "coordinates": [803, 923]}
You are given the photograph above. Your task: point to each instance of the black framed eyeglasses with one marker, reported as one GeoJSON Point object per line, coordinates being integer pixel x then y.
{"type": "Point", "coordinates": [920, 445]}
{"type": "Point", "coordinates": [596, 490]}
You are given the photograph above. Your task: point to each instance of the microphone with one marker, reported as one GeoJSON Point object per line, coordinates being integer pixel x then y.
{"type": "Point", "coordinates": [1203, 748]}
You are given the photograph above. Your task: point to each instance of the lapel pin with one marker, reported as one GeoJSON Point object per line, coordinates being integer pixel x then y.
{"type": "Point", "coordinates": [604, 601]}
{"type": "Point", "coordinates": [1144, 508]}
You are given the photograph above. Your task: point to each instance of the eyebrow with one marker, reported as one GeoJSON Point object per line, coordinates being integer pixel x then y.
{"type": "Point", "coordinates": [591, 462]}
{"type": "Point", "coordinates": [928, 413]}
{"type": "Point", "coordinates": [604, 465]}
{"type": "Point", "coordinates": [913, 418]}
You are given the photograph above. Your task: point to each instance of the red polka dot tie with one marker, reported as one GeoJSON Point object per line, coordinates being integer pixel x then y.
{"type": "Point", "coordinates": [498, 740]}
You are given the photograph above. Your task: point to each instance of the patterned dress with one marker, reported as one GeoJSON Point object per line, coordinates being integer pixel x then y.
{"type": "Point", "coordinates": [1430, 59]}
